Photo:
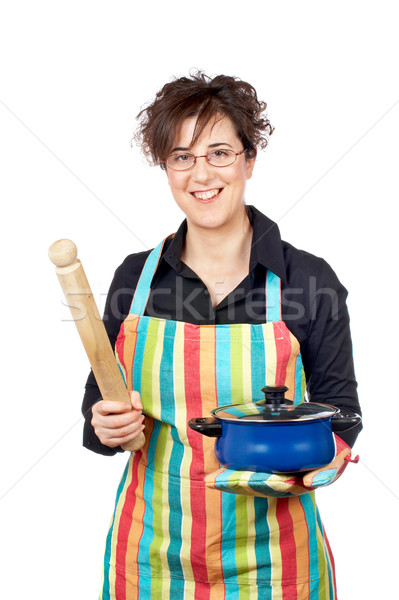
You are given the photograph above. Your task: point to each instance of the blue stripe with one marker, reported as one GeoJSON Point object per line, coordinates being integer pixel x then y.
{"type": "Point", "coordinates": [105, 592]}
{"type": "Point", "coordinates": [139, 352]}
{"type": "Point", "coordinates": [168, 415]}
{"type": "Point", "coordinates": [261, 545]}
{"type": "Point", "coordinates": [144, 586]}
{"type": "Point", "coordinates": [308, 506]}
{"type": "Point", "coordinates": [273, 297]}
{"type": "Point", "coordinates": [177, 589]}
{"type": "Point", "coordinates": [144, 283]}
{"type": "Point", "coordinates": [258, 362]}
{"type": "Point", "coordinates": [298, 398]}
{"type": "Point", "coordinates": [223, 365]}
{"type": "Point", "coordinates": [229, 524]}
{"type": "Point", "coordinates": [144, 560]}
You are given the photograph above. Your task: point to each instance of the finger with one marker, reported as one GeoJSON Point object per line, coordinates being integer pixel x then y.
{"type": "Point", "coordinates": [116, 421]}
{"type": "Point", "coordinates": [114, 438]}
{"type": "Point", "coordinates": [122, 432]}
{"type": "Point", "coordinates": [109, 407]}
{"type": "Point", "coordinates": [135, 400]}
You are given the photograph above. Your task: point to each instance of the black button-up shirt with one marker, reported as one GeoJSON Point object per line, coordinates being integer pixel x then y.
{"type": "Point", "coordinates": [313, 308]}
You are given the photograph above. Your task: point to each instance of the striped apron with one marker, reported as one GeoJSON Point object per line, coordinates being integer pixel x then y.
{"type": "Point", "coordinates": [170, 536]}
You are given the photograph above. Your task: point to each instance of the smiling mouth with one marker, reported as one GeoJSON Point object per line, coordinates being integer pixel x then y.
{"type": "Point", "coordinates": [207, 194]}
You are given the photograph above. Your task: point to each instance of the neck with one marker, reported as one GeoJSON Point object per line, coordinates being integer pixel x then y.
{"type": "Point", "coordinates": [218, 248]}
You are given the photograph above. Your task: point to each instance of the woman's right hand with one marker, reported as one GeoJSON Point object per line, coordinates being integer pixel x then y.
{"type": "Point", "coordinates": [117, 423]}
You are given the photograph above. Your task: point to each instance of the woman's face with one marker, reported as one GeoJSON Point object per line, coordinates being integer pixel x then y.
{"type": "Point", "coordinates": [211, 197]}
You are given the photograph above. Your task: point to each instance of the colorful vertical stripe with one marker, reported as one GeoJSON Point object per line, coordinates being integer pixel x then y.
{"type": "Point", "coordinates": [171, 537]}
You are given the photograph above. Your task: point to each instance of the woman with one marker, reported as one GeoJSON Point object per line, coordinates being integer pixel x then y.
{"type": "Point", "coordinates": [209, 317]}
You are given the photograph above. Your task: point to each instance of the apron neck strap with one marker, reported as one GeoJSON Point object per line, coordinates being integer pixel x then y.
{"type": "Point", "coordinates": [143, 287]}
{"type": "Point", "coordinates": [273, 297]}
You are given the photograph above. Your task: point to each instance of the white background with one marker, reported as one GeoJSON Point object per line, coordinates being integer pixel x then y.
{"type": "Point", "coordinates": [73, 76]}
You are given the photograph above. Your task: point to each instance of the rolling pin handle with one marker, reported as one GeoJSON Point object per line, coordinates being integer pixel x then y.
{"type": "Point", "coordinates": [63, 253]}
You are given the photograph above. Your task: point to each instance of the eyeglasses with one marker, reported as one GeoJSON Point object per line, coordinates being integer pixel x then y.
{"type": "Point", "coordinates": [182, 161]}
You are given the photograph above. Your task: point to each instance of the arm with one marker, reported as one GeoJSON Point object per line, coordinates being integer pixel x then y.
{"type": "Point", "coordinates": [327, 349]}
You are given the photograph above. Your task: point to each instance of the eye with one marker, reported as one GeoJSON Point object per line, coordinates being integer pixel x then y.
{"type": "Point", "coordinates": [221, 157]}
{"type": "Point", "coordinates": [219, 154]}
{"type": "Point", "coordinates": [181, 158]}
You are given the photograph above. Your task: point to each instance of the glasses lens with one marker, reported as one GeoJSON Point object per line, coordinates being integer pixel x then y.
{"type": "Point", "coordinates": [180, 161]}
{"type": "Point", "coordinates": [221, 158]}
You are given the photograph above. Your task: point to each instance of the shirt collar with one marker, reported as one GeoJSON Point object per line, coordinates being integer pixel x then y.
{"type": "Point", "coordinates": [267, 246]}
{"type": "Point", "coordinates": [266, 250]}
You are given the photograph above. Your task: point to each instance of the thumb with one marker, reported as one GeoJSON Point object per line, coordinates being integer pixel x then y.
{"type": "Point", "coordinates": [135, 400]}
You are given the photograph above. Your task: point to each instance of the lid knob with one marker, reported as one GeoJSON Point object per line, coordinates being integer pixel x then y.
{"type": "Point", "coordinates": [274, 394]}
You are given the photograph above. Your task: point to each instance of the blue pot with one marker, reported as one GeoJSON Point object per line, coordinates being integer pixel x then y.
{"type": "Point", "coordinates": [272, 435]}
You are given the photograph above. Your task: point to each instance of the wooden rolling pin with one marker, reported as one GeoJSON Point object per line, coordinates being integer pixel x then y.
{"type": "Point", "coordinates": [78, 294]}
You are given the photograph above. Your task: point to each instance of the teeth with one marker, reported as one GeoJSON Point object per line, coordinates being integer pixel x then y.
{"type": "Point", "coordinates": [206, 195]}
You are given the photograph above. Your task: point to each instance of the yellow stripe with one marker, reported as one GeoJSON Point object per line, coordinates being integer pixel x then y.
{"type": "Point", "coordinates": [101, 597]}
{"type": "Point", "coordinates": [274, 543]}
{"type": "Point", "coordinates": [207, 368]}
{"type": "Point", "coordinates": [246, 364]}
{"type": "Point", "coordinates": [251, 546]}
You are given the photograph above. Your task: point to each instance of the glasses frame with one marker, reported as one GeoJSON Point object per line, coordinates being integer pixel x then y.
{"type": "Point", "coordinates": [165, 162]}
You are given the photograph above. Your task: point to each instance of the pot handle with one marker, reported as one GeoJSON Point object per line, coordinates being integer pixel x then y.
{"type": "Point", "coordinates": [344, 420]}
{"type": "Point", "coordinates": [207, 426]}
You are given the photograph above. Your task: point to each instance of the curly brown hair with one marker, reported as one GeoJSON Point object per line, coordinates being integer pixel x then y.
{"type": "Point", "coordinates": [204, 97]}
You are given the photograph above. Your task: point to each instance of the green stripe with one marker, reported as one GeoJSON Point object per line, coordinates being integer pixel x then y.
{"type": "Point", "coordinates": [147, 366]}
{"type": "Point", "coordinates": [237, 388]}
{"type": "Point", "coordinates": [241, 549]}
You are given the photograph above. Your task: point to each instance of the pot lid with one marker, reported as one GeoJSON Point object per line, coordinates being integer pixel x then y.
{"type": "Point", "coordinates": [274, 408]}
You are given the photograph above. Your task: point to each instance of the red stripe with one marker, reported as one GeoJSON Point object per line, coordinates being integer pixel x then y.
{"type": "Point", "coordinates": [119, 345]}
{"type": "Point", "coordinates": [192, 381]}
{"type": "Point", "coordinates": [287, 547]}
{"type": "Point", "coordinates": [283, 351]}
{"type": "Point", "coordinates": [125, 523]}
{"type": "Point", "coordinates": [332, 563]}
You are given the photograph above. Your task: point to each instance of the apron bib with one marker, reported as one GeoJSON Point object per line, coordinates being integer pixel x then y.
{"type": "Point", "coordinates": [170, 536]}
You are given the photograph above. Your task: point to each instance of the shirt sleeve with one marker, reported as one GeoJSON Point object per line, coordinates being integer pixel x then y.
{"type": "Point", "coordinates": [327, 348]}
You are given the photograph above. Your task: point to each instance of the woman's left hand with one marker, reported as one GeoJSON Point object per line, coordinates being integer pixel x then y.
{"type": "Point", "coordinates": [331, 472]}
{"type": "Point", "coordinates": [278, 485]}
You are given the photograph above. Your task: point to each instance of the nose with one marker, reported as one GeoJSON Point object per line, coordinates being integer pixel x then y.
{"type": "Point", "coordinates": [202, 170]}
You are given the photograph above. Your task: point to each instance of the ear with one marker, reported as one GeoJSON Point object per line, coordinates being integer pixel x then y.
{"type": "Point", "coordinates": [250, 163]}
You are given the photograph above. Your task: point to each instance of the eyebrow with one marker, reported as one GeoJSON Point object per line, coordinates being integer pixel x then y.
{"type": "Point", "coordinates": [182, 149]}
